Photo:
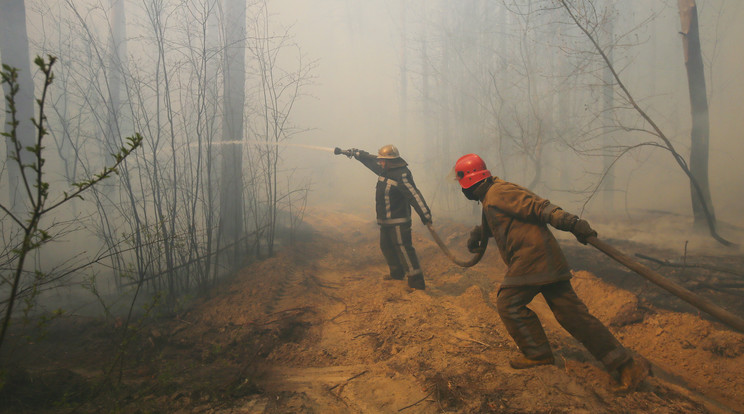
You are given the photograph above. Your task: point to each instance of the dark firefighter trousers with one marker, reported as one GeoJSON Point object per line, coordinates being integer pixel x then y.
{"type": "Point", "coordinates": [571, 313]}
{"type": "Point", "coordinates": [397, 247]}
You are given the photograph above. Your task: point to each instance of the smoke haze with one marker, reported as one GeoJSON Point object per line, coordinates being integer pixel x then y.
{"type": "Point", "coordinates": [517, 84]}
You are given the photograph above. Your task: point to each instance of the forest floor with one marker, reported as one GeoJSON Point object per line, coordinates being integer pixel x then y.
{"type": "Point", "coordinates": [316, 329]}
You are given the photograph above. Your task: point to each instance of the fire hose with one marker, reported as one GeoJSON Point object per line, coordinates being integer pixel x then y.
{"type": "Point", "coordinates": [463, 263]}
{"type": "Point", "coordinates": [699, 302]}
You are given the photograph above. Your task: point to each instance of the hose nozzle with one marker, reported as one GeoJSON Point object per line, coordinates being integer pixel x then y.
{"type": "Point", "coordinates": [338, 151]}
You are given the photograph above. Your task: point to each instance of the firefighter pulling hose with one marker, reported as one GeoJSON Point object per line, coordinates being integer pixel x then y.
{"type": "Point", "coordinates": [518, 220]}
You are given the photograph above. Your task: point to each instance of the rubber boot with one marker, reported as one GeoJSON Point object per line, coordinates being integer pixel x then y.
{"type": "Point", "coordinates": [416, 282]}
{"type": "Point", "coordinates": [522, 362]}
{"type": "Point", "coordinates": [632, 374]}
{"type": "Point", "coordinates": [392, 276]}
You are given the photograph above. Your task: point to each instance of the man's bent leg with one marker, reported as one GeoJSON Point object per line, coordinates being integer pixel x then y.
{"type": "Point", "coordinates": [575, 318]}
{"type": "Point", "coordinates": [523, 324]}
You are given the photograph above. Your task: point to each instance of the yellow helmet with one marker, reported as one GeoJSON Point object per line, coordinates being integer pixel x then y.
{"type": "Point", "coordinates": [388, 152]}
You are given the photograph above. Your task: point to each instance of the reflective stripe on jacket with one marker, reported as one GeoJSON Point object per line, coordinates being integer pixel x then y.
{"type": "Point", "coordinates": [396, 193]}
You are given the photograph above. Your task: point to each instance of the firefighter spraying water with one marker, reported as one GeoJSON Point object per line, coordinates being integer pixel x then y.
{"type": "Point", "coordinates": [460, 262]}
{"type": "Point", "coordinates": [395, 194]}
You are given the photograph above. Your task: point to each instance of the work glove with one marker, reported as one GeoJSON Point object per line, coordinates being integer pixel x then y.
{"type": "Point", "coordinates": [582, 230]}
{"type": "Point", "coordinates": [359, 154]}
{"type": "Point", "coordinates": [426, 219]}
{"type": "Point", "coordinates": [474, 242]}
{"type": "Point", "coordinates": [351, 152]}
{"type": "Point", "coordinates": [562, 220]}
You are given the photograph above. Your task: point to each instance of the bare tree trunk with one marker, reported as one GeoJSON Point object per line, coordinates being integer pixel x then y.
{"type": "Point", "coordinates": [14, 52]}
{"type": "Point", "coordinates": [117, 64]}
{"type": "Point", "coordinates": [667, 143]}
{"type": "Point", "coordinates": [403, 91]}
{"type": "Point", "coordinates": [209, 36]}
{"type": "Point", "coordinates": [699, 107]}
{"type": "Point", "coordinates": [427, 107]}
{"type": "Point", "coordinates": [231, 195]}
{"type": "Point", "coordinates": [608, 93]}
{"type": "Point", "coordinates": [566, 100]}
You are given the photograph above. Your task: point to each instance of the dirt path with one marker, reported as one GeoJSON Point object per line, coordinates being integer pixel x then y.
{"type": "Point", "coordinates": [316, 329]}
{"type": "Point", "coordinates": [365, 344]}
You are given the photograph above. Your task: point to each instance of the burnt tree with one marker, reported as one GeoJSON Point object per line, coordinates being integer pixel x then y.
{"type": "Point", "coordinates": [700, 134]}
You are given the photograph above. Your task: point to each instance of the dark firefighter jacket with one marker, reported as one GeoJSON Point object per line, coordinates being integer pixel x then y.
{"type": "Point", "coordinates": [396, 192]}
{"type": "Point", "coordinates": [517, 219]}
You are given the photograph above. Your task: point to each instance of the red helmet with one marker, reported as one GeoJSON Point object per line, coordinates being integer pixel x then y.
{"type": "Point", "coordinates": [470, 169]}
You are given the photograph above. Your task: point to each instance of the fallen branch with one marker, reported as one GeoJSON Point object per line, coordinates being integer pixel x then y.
{"type": "Point", "coordinates": [337, 397]}
{"type": "Point", "coordinates": [366, 334]}
{"type": "Point", "coordinates": [465, 338]}
{"type": "Point", "coordinates": [288, 314]}
{"type": "Point", "coordinates": [298, 309]}
{"type": "Point", "coordinates": [693, 265]}
{"type": "Point", "coordinates": [346, 308]}
{"type": "Point", "coordinates": [347, 381]}
{"type": "Point", "coordinates": [417, 402]}
{"type": "Point", "coordinates": [719, 286]}
{"type": "Point", "coordinates": [184, 321]}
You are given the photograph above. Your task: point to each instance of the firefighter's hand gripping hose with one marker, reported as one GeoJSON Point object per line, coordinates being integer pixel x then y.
{"type": "Point", "coordinates": [463, 263]}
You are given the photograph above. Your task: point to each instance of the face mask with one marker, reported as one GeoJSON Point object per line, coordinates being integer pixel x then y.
{"type": "Point", "coordinates": [470, 193]}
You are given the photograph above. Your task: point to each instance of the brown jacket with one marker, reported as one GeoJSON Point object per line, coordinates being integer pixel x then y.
{"type": "Point", "coordinates": [517, 219]}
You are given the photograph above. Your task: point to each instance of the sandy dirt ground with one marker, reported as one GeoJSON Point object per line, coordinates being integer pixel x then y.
{"type": "Point", "coordinates": [317, 329]}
